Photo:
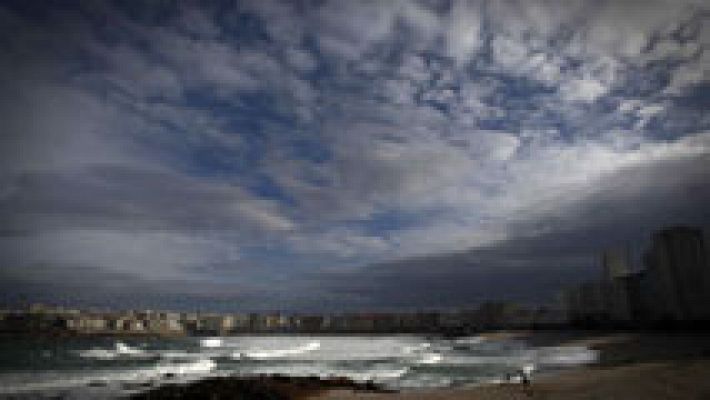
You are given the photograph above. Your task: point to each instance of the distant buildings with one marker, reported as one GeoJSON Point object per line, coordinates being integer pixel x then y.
{"type": "Point", "coordinates": [488, 316]}
{"type": "Point", "coordinates": [215, 324]}
{"type": "Point", "coordinates": [616, 304]}
{"type": "Point", "coordinates": [678, 275]}
{"type": "Point", "coordinates": [673, 288]}
{"type": "Point", "coordinates": [586, 303]}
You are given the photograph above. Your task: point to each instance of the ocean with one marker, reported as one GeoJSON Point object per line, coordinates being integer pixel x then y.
{"type": "Point", "coordinates": [108, 368]}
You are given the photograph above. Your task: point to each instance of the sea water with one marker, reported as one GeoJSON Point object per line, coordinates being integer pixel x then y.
{"type": "Point", "coordinates": [94, 368]}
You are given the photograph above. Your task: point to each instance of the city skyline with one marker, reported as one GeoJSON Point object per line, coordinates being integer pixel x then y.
{"type": "Point", "coordinates": [343, 156]}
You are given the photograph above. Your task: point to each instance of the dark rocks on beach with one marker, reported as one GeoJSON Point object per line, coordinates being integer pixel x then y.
{"type": "Point", "coordinates": [272, 387]}
{"type": "Point", "coordinates": [215, 388]}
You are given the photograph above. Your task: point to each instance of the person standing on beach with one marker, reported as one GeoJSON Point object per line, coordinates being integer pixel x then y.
{"type": "Point", "coordinates": [525, 374]}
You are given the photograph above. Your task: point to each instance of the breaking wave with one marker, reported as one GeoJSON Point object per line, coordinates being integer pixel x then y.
{"type": "Point", "coordinates": [211, 342]}
{"type": "Point", "coordinates": [195, 367]}
{"type": "Point", "coordinates": [280, 353]}
{"type": "Point", "coordinates": [416, 348]}
{"type": "Point", "coordinates": [111, 378]}
{"type": "Point", "coordinates": [120, 350]}
{"type": "Point", "coordinates": [430, 358]}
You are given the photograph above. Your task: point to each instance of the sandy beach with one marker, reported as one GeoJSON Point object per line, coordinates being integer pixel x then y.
{"type": "Point", "coordinates": [632, 366]}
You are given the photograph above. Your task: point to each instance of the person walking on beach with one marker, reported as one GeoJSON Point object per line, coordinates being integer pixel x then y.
{"type": "Point", "coordinates": [525, 374]}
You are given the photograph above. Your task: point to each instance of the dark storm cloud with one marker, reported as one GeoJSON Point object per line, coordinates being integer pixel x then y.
{"type": "Point", "coordinates": [77, 285]}
{"type": "Point", "coordinates": [549, 252]}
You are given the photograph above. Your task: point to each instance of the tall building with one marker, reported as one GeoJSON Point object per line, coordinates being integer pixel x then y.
{"type": "Point", "coordinates": [633, 285]}
{"type": "Point", "coordinates": [616, 266]}
{"type": "Point", "coordinates": [678, 275]}
{"type": "Point", "coordinates": [616, 263]}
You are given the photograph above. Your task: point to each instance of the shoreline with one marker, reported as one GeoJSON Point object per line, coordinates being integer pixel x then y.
{"type": "Point", "coordinates": [639, 381]}
{"type": "Point", "coordinates": [632, 365]}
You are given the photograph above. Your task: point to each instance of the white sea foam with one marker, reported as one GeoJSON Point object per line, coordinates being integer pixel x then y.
{"type": "Point", "coordinates": [41, 383]}
{"type": "Point", "coordinates": [120, 350]}
{"type": "Point", "coordinates": [419, 347]}
{"type": "Point", "coordinates": [484, 360]}
{"type": "Point", "coordinates": [379, 375]}
{"type": "Point", "coordinates": [430, 358]}
{"type": "Point", "coordinates": [470, 340]}
{"type": "Point", "coordinates": [195, 367]}
{"type": "Point", "coordinates": [101, 354]}
{"type": "Point", "coordinates": [567, 355]}
{"type": "Point", "coordinates": [211, 342]}
{"type": "Point", "coordinates": [107, 378]}
{"type": "Point", "coordinates": [279, 353]}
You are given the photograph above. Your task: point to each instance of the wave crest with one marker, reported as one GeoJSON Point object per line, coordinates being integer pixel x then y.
{"type": "Point", "coordinates": [279, 353]}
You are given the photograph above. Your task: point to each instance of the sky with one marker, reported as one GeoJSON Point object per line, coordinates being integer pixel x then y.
{"type": "Point", "coordinates": [342, 155]}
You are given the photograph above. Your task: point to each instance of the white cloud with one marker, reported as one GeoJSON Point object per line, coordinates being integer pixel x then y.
{"type": "Point", "coordinates": [463, 35]}
{"type": "Point", "coordinates": [559, 174]}
{"type": "Point", "coordinates": [650, 110]}
{"type": "Point", "coordinates": [519, 58]}
{"type": "Point", "coordinates": [341, 243]}
{"type": "Point", "coordinates": [644, 112]}
{"type": "Point", "coordinates": [583, 89]}
{"type": "Point", "coordinates": [348, 29]}
{"type": "Point", "coordinates": [264, 214]}
{"type": "Point", "coordinates": [509, 53]}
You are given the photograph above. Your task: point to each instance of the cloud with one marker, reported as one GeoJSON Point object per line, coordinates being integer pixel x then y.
{"type": "Point", "coordinates": [168, 254]}
{"type": "Point", "coordinates": [276, 146]}
{"type": "Point", "coordinates": [463, 37]}
{"type": "Point", "coordinates": [127, 198]}
{"type": "Point", "coordinates": [545, 252]}
{"type": "Point", "coordinates": [582, 90]}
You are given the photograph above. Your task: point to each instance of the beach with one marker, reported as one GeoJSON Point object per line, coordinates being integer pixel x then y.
{"type": "Point", "coordinates": [685, 380]}
{"type": "Point", "coordinates": [567, 364]}
{"type": "Point", "coordinates": [630, 366]}
{"type": "Point", "coordinates": [644, 366]}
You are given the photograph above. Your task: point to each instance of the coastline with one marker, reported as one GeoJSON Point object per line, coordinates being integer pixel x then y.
{"type": "Point", "coordinates": [686, 380]}
{"type": "Point", "coordinates": [632, 365]}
